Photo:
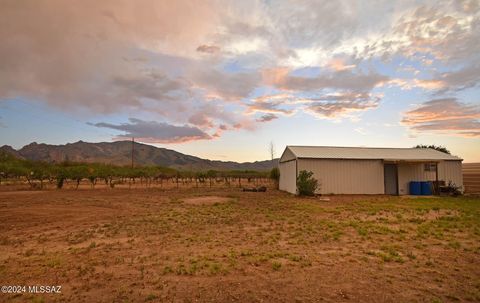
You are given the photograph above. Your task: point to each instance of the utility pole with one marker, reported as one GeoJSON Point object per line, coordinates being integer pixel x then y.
{"type": "Point", "coordinates": [133, 143]}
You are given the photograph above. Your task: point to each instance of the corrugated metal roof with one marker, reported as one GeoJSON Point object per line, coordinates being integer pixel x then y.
{"type": "Point", "coordinates": [398, 154]}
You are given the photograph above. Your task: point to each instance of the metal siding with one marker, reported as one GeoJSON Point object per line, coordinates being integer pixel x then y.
{"type": "Point", "coordinates": [346, 176]}
{"type": "Point", "coordinates": [451, 171]}
{"type": "Point", "coordinates": [447, 171]}
{"type": "Point", "coordinates": [412, 172]}
{"type": "Point", "coordinates": [287, 155]}
{"type": "Point", "coordinates": [288, 176]}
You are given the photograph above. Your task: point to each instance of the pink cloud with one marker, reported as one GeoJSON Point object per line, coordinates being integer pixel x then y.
{"type": "Point", "coordinates": [341, 104]}
{"type": "Point", "coordinates": [211, 49]}
{"type": "Point", "coordinates": [155, 132]}
{"type": "Point", "coordinates": [445, 116]}
{"type": "Point", "coordinates": [338, 64]}
{"type": "Point", "coordinates": [267, 118]}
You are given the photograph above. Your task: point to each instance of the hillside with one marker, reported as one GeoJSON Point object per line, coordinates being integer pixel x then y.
{"type": "Point", "coordinates": [119, 153]}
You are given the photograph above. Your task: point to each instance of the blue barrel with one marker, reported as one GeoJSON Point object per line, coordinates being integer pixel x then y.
{"type": "Point", "coordinates": [426, 188]}
{"type": "Point", "coordinates": [415, 188]}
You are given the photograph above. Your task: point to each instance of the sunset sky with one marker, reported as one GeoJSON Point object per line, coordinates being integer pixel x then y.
{"type": "Point", "coordinates": [221, 79]}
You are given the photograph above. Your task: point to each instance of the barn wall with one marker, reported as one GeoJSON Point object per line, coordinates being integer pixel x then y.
{"type": "Point", "coordinates": [288, 176]}
{"type": "Point", "coordinates": [287, 155]}
{"type": "Point", "coordinates": [447, 171]}
{"type": "Point", "coordinates": [340, 176]}
{"type": "Point", "coordinates": [451, 171]}
{"type": "Point", "coordinates": [408, 172]}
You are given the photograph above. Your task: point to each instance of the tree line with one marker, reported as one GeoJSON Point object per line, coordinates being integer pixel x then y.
{"type": "Point", "coordinates": [37, 173]}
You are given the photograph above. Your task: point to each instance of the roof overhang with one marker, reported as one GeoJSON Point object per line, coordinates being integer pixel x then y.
{"type": "Point", "coordinates": [412, 161]}
{"type": "Point", "coordinates": [366, 153]}
{"type": "Point", "coordinates": [385, 160]}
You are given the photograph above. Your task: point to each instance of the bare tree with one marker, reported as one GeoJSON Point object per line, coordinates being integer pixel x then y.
{"type": "Point", "coordinates": [271, 150]}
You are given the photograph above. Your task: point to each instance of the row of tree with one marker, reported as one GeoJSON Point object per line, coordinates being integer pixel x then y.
{"type": "Point", "coordinates": [36, 173]}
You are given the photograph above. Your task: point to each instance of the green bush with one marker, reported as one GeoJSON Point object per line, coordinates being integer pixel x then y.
{"type": "Point", "coordinates": [275, 175]}
{"type": "Point", "coordinates": [306, 184]}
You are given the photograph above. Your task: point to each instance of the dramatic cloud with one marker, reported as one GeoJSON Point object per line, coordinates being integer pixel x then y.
{"type": "Point", "coordinates": [211, 49]}
{"type": "Point", "coordinates": [342, 79]}
{"type": "Point", "coordinates": [447, 31]}
{"type": "Point", "coordinates": [201, 119]}
{"type": "Point", "coordinates": [429, 84]}
{"type": "Point", "coordinates": [70, 57]}
{"type": "Point", "coordinates": [225, 65]}
{"type": "Point", "coordinates": [267, 118]}
{"type": "Point", "coordinates": [461, 79]}
{"type": "Point", "coordinates": [445, 116]}
{"type": "Point", "coordinates": [223, 85]}
{"type": "Point", "coordinates": [213, 114]}
{"type": "Point", "coordinates": [353, 91]}
{"type": "Point", "coordinates": [464, 78]}
{"type": "Point", "coordinates": [322, 23]}
{"type": "Point", "coordinates": [156, 132]}
{"type": "Point", "coordinates": [345, 80]}
{"type": "Point", "coordinates": [334, 106]}
{"type": "Point", "coordinates": [338, 64]}
{"type": "Point", "coordinates": [272, 104]}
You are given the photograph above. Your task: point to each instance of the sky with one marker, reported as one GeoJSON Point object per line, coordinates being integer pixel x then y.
{"type": "Point", "coordinates": [223, 79]}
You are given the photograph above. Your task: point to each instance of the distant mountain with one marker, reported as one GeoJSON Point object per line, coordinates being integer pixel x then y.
{"type": "Point", "coordinates": [120, 153]}
{"type": "Point", "coordinates": [9, 150]}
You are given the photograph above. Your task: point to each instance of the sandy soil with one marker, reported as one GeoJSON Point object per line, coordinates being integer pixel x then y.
{"type": "Point", "coordinates": [223, 245]}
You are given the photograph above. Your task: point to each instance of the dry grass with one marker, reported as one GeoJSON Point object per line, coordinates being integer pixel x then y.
{"type": "Point", "coordinates": [224, 245]}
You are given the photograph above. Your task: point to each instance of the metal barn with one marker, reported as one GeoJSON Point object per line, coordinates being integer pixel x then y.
{"type": "Point", "coordinates": [359, 170]}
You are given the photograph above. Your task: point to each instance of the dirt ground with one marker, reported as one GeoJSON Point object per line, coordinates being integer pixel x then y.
{"type": "Point", "coordinates": [224, 245]}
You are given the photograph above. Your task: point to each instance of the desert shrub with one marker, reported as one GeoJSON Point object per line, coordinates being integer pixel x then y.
{"type": "Point", "coordinates": [306, 184]}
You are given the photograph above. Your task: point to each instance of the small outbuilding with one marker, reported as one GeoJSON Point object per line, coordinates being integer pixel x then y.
{"type": "Point", "coordinates": [361, 170]}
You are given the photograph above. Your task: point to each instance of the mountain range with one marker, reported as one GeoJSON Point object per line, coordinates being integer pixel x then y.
{"type": "Point", "coordinates": [120, 153]}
